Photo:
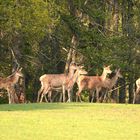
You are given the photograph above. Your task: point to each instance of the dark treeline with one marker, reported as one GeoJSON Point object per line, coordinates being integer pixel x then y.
{"type": "Point", "coordinates": [44, 35]}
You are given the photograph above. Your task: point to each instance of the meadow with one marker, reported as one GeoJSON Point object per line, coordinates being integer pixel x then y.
{"type": "Point", "coordinates": [69, 121]}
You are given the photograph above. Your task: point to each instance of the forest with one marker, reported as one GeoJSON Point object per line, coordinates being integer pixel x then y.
{"type": "Point", "coordinates": [45, 36]}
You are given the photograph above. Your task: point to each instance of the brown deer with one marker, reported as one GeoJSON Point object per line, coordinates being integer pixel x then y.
{"type": "Point", "coordinates": [70, 83]}
{"type": "Point", "coordinates": [108, 84]}
{"type": "Point", "coordinates": [91, 83]}
{"type": "Point", "coordinates": [9, 82]}
{"type": "Point", "coordinates": [50, 81]}
{"type": "Point", "coordinates": [137, 89]}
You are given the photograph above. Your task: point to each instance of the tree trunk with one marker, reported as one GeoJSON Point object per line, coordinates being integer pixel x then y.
{"type": "Point", "coordinates": [109, 10]}
{"type": "Point", "coordinates": [123, 12]}
{"type": "Point", "coordinates": [129, 18]}
{"type": "Point", "coordinates": [68, 61]}
{"type": "Point", "coordinates": [115, 15]}
{"type": "Point", "coordinates": [55, 53]}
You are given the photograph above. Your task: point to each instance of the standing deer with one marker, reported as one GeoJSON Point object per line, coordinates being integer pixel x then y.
{"type": "Point", "coordinates": [9, 82]}
{"type": "Point", "coordinates": [50, 81]}
{"type": "Point", "coordinates": [91, 83]}
{"type": "Point", "coordinates": [137, 89]}
{"type": "Point", "coordinates": [70, 83]}
{"type": "Point", "coordinates": [108, 83]}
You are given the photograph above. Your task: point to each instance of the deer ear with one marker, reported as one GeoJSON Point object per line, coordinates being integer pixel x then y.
{"type": "Point", "coordinates": [20, 69]}
{"type": "Point", "coordinates": [72, 64]}
{"type": "Point", "coordinates": [110, 65]}
{"type": "Point", "coordinates": [106, 66]}
{"type": "Point", "coordinates": [81, 67]}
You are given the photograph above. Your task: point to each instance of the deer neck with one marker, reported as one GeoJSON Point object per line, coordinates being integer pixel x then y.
{"type": "Point", "coordinates": [103, 76]}
{"type": "Point", "coordinates": [14, 78]}
{"type": "Point", "coordinates": [138, 83]}
{"type": "Point", "coordinates": [71, 73]}
{"type": "Point", "coordinates": [73, 79]}
{"type": "Point", "coordinates": [75, 76]}
{"type": "Point", "coordinates": [113, 80]}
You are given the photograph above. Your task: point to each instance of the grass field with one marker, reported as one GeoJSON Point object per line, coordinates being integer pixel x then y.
{"type": "Point", "coordinates": [70, 121]}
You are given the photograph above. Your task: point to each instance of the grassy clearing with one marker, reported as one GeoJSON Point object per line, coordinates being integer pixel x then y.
{"type": "Point", "coordinates": [69, 121]}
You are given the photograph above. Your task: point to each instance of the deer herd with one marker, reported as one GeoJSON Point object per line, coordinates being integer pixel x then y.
{"type": "Point", "coordinates": [65, 82]}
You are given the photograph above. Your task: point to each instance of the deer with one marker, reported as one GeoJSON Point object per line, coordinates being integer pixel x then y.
{"type": "Point", "coordinates": [9, 82]}
{"type": "Point", "coordinates": [50, 81]}
{"type": "Point", "coordinates": [70, 83]}
{"type": "Point", "coordinates": [108, 83]}
{"type": "Point", "coordinates": [137, 89]}
{"type": "Point", "coordinates": [91, 83]}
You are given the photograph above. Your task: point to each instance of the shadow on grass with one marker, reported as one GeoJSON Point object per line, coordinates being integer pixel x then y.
{"type": "Point", "coordinates": [41, 106]}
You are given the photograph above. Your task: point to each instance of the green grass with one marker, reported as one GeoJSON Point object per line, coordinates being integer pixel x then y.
{"type": "Point", "coordinates": [70, 121]}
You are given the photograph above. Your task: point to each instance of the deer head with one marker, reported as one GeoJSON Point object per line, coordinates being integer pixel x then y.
{"type": "Point", "coordinates": [107, 69]}
{"type": "Point", "coordinates": [18, 72]}
{"type": "Point", "coordinates": [118, 73]}
{"type": "Point", "coordinates": [82, 71]}
{"type": "Point", "coordinates": [73, 66]}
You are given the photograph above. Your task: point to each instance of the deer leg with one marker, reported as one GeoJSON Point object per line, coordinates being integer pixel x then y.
{"type": "Point", "coordinates": [69, 95]}
{"type": "Point", "coordinates": [45, 91]}
{"type": "Point", "coordinates": [92, 95]}
{"type": "Point", "coordinates": [78, 96]}
{"type": "Point", "coordinates": [39, 93]}
{"type": "Point", "coordinates": [42, 95]}
{"type": "Point", "coordinates": [9, 96]}
{"type": "Point", "coordinates": [50, 95]}
{"type": "Point", "coordinates": [137, 91]}
{"type": "Point", "coordinates": [105, 98]}
{"type": "Point", "coordinates": [45, 96]}
{"type": "Point", "coordinates": [60, 99]}
{"type": "Point", "coordinates": [14, 95]}
{"type": "Point", "coordinates": [63, 93]}
{"type": "Point", "coordinates": [97, 94]}
{"type": "Point", "coordinates": [103, 95]}
{"type": "Point", "coordinates": [134, 99]}
{"type": "Point", "coordinates": [101, 98]}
